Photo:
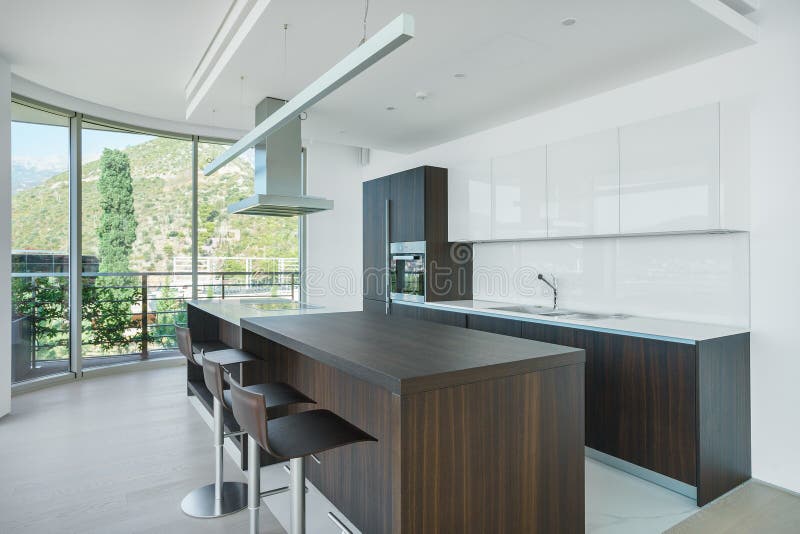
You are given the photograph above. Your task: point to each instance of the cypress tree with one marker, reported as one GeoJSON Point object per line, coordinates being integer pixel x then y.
{"type": "Point", "coordinates": [117, 229]}
{"type": "Point", "coordinates": [107, 303]}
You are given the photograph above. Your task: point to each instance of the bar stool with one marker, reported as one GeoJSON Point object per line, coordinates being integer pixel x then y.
{"type": "Point", "coordinates": [191, 351]}
{"type": "Point", "coordinates": [292, 438]}
{"type": "Point", "coordinates": [223, 498]}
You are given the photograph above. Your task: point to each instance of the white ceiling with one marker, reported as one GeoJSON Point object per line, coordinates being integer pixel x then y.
{"type": "Point", "coordinates": [517, 57]}
{"type": "Point", "coordinates": [134, 55]}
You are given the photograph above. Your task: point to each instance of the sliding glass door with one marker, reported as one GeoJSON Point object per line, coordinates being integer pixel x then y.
{"type": "Point", "coordinates": [40, 243]}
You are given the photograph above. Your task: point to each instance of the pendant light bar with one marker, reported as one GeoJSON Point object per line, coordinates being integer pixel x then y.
{"type": "Point", "coordinates": [381, 44]}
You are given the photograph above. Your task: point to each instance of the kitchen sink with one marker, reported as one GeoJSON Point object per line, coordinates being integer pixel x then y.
{"type": "Point", "coordinates": [536, 310]}
{"type": "Point", "coordinates": [588, 316]}
{"type": "Point", "coordinates": [595, 316]}
{"type": "Point", "coordinates": [546, 311]}
{"type": "Point", "coordinates": [558, 313]}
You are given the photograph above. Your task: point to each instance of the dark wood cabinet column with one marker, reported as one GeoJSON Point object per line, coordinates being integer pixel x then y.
{"type": "Point", "coordinates": [417, 212]}
{"type": "Point", "coordinates": [375, 194]}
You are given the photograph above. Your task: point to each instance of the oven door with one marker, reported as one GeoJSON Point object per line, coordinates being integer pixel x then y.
{"type": "Point", "coordinates": [407, 272]}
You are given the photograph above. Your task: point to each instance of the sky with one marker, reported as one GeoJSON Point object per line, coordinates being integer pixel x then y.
{"type": "Point", "coordinates": [45, 147]}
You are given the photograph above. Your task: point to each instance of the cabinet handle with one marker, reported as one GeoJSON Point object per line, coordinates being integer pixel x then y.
{"type": "Point", "coordinates": [387, 289]}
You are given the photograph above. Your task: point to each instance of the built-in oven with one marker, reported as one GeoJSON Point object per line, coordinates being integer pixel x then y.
{"type": "Point", "coordinates": [407, 271]}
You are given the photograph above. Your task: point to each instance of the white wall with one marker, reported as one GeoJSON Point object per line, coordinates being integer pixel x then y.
{"type": "Point", "coordinates": [700, 278]}
{"type": "Point", "coordinates": [5, 237]}
{"type": "Point", "coordinates": [333, 262]}
{"type": "Point", "coordinates": [770, 73]}
{"type": "Point", "coordinates": [775, 255]}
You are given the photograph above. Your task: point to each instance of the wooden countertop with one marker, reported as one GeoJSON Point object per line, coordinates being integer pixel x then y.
{"type": "Point", "coordinates": [408, 356]}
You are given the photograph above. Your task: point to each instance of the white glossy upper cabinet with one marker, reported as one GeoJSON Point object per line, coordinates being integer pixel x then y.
{"type": "Point", "coordinates": [519, 195]}
{"type": "Point", "coordinates": [469, 202]}
{"type": "Point", "coordinates": [669, 172]}
{"type": "Point", "coordinates": [583, 185]}
{"type": "Point", "coordinates": [734, 170]}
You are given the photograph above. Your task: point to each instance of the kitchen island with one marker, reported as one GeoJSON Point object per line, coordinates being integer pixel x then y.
{"type": "Point", "coordinates": [476, 432]}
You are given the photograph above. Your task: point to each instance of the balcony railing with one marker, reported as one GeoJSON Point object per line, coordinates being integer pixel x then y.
{"type": "Point", "coordinates": [126, 316]}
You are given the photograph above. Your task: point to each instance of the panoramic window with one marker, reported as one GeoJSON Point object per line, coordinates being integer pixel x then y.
{"type": "Point", "coordinates": [241, 255]}
{"type": "Point", "coordinates": [136, 231]}
{"type": "Point", "coordinates": [137, 236]}
{"type": "Point", "coordinates": [39, 242]}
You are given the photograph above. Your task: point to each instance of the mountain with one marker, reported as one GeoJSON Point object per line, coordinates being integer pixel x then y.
{"type": "Point", "coordinates": [25, 174]}
{"type": "Point", "coordinates": [161, 172]}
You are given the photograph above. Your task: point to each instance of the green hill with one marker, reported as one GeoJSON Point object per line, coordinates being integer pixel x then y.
{"type": "Point", "coordinates": [161, 170]}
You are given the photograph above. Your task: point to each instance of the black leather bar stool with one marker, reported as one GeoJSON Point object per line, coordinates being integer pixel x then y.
{"type": "Point", "coordinates": [223, 498]}
{"type": "Point", "coordinates": [292, 438]}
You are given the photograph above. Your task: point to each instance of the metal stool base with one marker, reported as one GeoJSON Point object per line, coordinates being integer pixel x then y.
{"type": "Point", "coordinates": [202, 504]}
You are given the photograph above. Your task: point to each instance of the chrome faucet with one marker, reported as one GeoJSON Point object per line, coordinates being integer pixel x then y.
{"type": "Point", "coordinates": [554, 286]}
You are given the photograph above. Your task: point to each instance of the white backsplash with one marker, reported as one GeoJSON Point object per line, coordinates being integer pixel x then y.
{"type": "Point", "coordinates": [699, 277]}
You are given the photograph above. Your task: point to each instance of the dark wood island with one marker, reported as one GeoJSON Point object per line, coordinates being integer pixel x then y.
{"type": "Point", "coordinates": [477, 432]}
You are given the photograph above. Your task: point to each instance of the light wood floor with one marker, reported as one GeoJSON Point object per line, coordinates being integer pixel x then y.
{"type": "Point", "coordinates": [109, 455]}
{"type": "Point", "coordinates": [753, 507]}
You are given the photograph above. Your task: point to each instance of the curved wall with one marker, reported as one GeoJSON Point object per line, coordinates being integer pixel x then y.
{"type": "Point", "coordinates": [34, 91]}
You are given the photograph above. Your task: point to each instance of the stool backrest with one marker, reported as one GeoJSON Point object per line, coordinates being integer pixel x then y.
{"type": "Point", "coordinates": [212, 375]}
{"type": "Point", "coordinates": [250, 412]}
{"type": "Point", "coordinates": [184, 339]}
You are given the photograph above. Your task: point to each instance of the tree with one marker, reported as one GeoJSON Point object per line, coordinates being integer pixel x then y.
{"type": "Point", "coordinates": [108, 301]}
{"type": "Point", "coordinates": [43, 301]}
{"type": "Point", "coordinates": [117, 229]}
{"type": "Point", "coordinates": [170, 309]}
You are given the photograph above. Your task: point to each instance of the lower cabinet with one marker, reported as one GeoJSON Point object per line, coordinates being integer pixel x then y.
{"type": "Point", "coordinates": [678, 409]}
{"type": "Point", "coordinates": [640, 397]}
{"type": "Point", "coordinates": [409, 311]}
{"type": "Point", "coordinates": [495, 325]}
{"type": "Point", "coordinates": [429, 314]}
{"type": "Point", "coordinates": [374, 306]}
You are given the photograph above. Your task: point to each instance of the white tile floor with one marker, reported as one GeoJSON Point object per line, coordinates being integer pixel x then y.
{"type": "Point", "coordinates": [619, 503]}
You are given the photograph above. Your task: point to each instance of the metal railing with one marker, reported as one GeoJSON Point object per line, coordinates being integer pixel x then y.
{"type": "Point", "coordinates": [124, 314]}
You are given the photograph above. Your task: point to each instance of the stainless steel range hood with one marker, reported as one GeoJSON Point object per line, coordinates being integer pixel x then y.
{"type": "Point", "coordinates": [279, 172]}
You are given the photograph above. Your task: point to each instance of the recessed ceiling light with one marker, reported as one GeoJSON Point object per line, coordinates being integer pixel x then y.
{"type": "Point", "coordinates": [459, 75]}
{"type": "Point", "coordinates": [390, 108]}
{"type": "Point", "coordinates": [569, 21]}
